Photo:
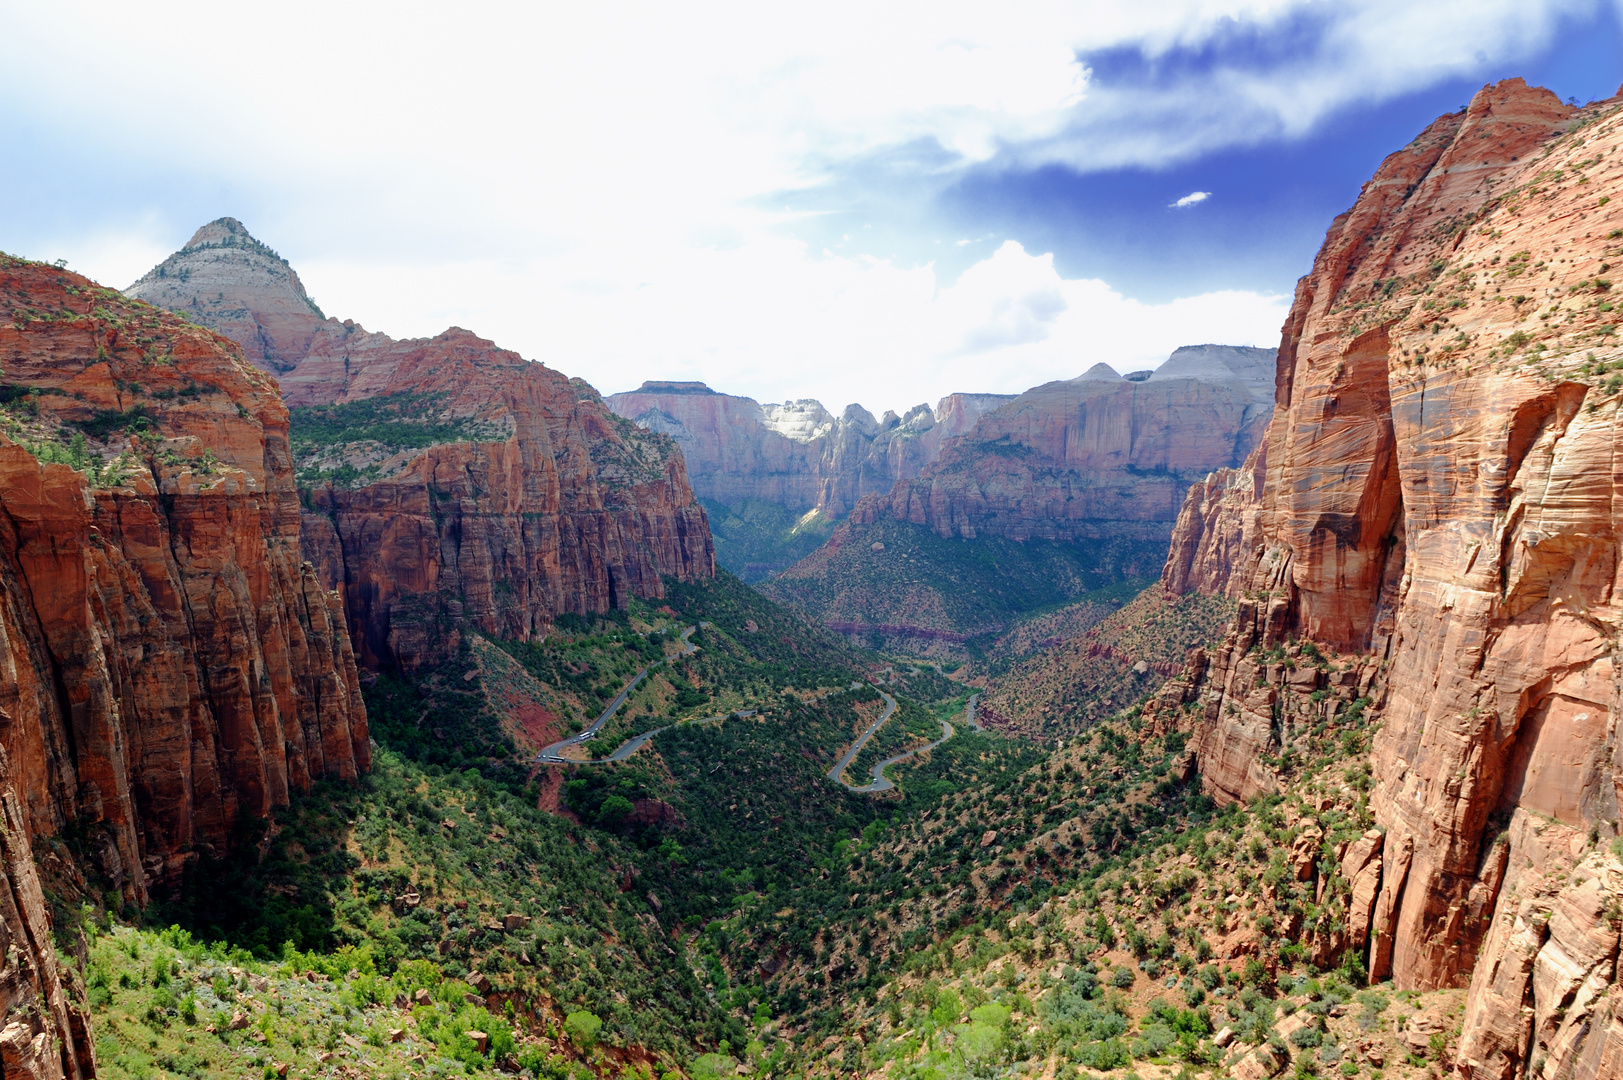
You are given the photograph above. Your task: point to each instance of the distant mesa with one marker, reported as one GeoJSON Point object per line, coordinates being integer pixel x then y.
{"type": "Point", "coordinates": [1244, 364]}
{"type": "Point", "coordinates": [1095, 457]}
{"type": "Point", "coordinates": [795, 454]}
{"type": "Point", "coordinates": [670, 386]}
{"type": "Point", "coordinates": [750, 461]}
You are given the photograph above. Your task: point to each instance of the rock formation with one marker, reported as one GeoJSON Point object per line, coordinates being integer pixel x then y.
{"type": "Point", "coordinates": [796, 454]}
{"type": "Point", "coordinates": [226, 280]}
{"type": "Point", "coordinates": [449, 484]}
{"type": "Point", "coordinates": [1098, 456]}
{"type": "Point", "coordinates": [1102, 460]}
{"type": "Point", "coordinates": [46, 1035]}
{"type": "Point", "coordinates": [1439, 502]}
{"type": "Point", "coordinates": [169, 660]}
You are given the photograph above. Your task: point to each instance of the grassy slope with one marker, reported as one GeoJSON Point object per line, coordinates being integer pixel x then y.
{"type": "Point", "coordinates": [406, 870]}
{"type": "Point", "coordinates": [1087, 913]}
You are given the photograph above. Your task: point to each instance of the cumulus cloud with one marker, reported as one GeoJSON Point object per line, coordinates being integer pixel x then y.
{"type": "Point", "coordinates": [593, 183]}
{"type": "Point", "coordinates": [1190, 199]}
{"type": "Point", "coordinates": [774, 321]}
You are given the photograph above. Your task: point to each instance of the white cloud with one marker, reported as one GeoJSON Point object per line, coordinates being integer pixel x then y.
{"type": "Point", "coordinates": [772, 320]}
{"type": "Point", "coordinates": [587, 182]}
{"type": "Point", "coordinates": [1190, 199]}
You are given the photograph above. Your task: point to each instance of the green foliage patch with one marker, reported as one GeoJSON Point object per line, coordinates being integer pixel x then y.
{"type": "Point", "coordinates": [963, 586]}
{"type": "Point", "coordinates": [756, 539]}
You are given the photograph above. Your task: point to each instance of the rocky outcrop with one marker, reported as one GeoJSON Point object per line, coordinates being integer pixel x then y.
{"type": "Point", "coordinates": [46, 1035]}
{"type": "Point", "coordinates": [1096, 457]}
{"type": "Point", "coordinates": [1216, 530]}
{"type": "Point", "coordinates": [796, 454]}
{"type": "Point", "coordinates": [449, 485]}
{"type": "Point", "coordinates": [555, 506]}
{"type": "Point", "coordinates": [1440, 499]}
{"type": "Point", "coordinates": [168, 661]}
{"type": "Point", "coordinates": [226, 280]}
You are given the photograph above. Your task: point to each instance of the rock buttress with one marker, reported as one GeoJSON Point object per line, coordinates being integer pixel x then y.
{"type": "Point", "coordinates": [1440, 501]}
{"type": "Point", "coordinates": [168, 661]}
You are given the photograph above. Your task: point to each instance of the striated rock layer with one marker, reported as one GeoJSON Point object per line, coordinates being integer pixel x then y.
{"type": "Point", "coordinates": [168, 661]}
{"type": "Point", "coordinates": [1096, 457]}
{"type": "Point", "coordinates": [568, 509]}
{"type": "Point", "coordinates": [46, 1032]}
{"type": "Point", "coordinates": [449, 484]}
{"type": "Point", "coordinates": [797, 454]}
{"type": "Point", "coordinates": [1439, 494]}
{"type": "Point", "coordinates": [226, 280]}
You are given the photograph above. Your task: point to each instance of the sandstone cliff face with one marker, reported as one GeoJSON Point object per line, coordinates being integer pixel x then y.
{"type": "Point", "coordinates": [449, 484]}
{"type": "Point", "coordinates": [226, 280]}
{"type": "Point", "coordinates": [168, 661]}
{"type": "Point", "coordinates": [796, 454]}
{"type": "Point", "coordinates": [574, 511]}
{"type": "Point", "coordinates": [1440, 497]}
{"type": "Point", "coordinates": [46, 1035]}
{"type": "Point", "coordinates": [1096, 457]}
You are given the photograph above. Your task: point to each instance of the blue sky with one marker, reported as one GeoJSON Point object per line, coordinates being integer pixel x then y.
{"type": "Point", "coordinates": [842, 200]}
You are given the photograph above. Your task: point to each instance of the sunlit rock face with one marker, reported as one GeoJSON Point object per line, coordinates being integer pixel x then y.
{"type": "Point", "coordinates": [524, 498]}
{"type": "Point", "coordinates": [796, 454]}
{"type": "Point", "coordinates": [1095, 457]}
{"type": "Point", "coordinates": [1438, 495]}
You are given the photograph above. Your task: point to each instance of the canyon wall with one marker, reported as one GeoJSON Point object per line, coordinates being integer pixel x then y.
{"type": "Point", "coordinates": [796, 454]}
{"type": "Point", "coordinates": [46, 1032]}
{"type": "Point", "coordinates": [1066, 489]}
{"type": "Point", "coordinates": [168, 661]}
{"type": "Point", "coordinates": [1437, 507]}
{"type": "Point", "coordinates": [1098, 456]}
{"type": "Point", "coordinates": [449, 485]}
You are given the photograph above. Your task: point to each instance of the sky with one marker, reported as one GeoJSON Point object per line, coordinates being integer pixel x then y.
{"type": "Point", "coordinates": [879, 203]}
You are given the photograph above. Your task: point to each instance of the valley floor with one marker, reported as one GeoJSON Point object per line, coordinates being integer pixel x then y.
{"type": "Point", "coordinates": [715, 905]}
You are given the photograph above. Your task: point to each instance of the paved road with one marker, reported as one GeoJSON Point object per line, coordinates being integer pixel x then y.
{"type": "Point", "coordinates": [838, 771]}
{"type": "Point", "coordinates": [878, 782]}
{"type": "Point", "coordinates": [553, 754]}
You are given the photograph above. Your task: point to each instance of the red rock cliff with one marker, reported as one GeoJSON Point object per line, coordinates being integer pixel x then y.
{"type": "Point", "coordinates": [1097, 456]}
{"type": "Point", "coordinates": [551, 504]}
{"type": "Point", "coordinates": [168, 661]}
{"type": "Point", "coordinates": [797, 454]}
{"type": "Point", "coordinates": [46, 1033]}
{"type": "Point", "coordinates": [514, 494]}
{"type": "Point", "coordinates": [1441, 497]}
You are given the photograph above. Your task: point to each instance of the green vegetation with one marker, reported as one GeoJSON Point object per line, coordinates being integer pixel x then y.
{"type": "Point", "coordinates": [965, 586]}
{"type": "Point", "coordinates": [321, 434]}
{"type": "Point", "coordinates": [716, 903]}
{"type": "Point", "coordinates": [415, 865]}
{"type": "Point", "coordinates": [756, 539]}
{"type": "Point", "coordinates": [167, 1003]}
{"type": "Point", "coordinates": [54, 443]}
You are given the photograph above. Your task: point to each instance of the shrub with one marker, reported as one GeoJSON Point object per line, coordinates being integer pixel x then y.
{"type": "Point", "coordinates": [947, 1008]}
{"type": "Point", "coordinates": [582, 1028]}
{"type": "Point", "coordinates": [991, 1013]}
{"type": "Point", "coordinates": [712, 1067]}
{"type": "Point", "coordinates": [1123, 978]}
{"type": "Point", "coordinates": [1105, 1056]}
